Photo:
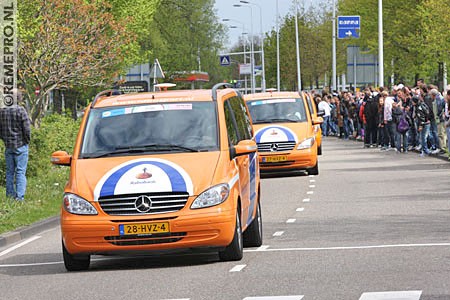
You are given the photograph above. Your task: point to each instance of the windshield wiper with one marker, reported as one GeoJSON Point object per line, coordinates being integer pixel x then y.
{"type": "Point", "coordinates": [141, 149]}
{"type": "Point", "coordinates": [275, 120]}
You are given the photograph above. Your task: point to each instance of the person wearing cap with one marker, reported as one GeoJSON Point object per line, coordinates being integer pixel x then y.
{"type": "Point", "coordinates": [16, 133]}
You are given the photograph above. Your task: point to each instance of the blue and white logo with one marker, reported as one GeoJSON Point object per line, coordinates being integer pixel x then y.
{"type": "Point", "coordinates": [144, 176]}
{"type": "Point", "coordinates": [271, 134]}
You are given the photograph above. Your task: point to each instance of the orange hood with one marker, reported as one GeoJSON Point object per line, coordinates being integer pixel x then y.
{"type": "Point", "coordinates": [176, 172]}
{"type": "Point", "coordinates": [282, 132]}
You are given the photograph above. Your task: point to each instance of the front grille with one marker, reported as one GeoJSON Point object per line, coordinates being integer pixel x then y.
{"type": "Point", "coordinates": [151, 239]}
{"type": "Point", "coordinates": [125, 205]}
{"type": "Point", "coordinates": [276, 146]}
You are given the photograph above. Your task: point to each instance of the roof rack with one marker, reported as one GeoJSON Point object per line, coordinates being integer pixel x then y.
{"type": "Point", "coordinates": [106, 93]}
{"type": "Point", "coordinates": [218, 86]}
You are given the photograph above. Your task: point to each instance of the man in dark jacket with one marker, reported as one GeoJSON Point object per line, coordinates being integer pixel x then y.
{"type": "Point", "coordinates": [371, 118]}
{"type": "Point", "coordinates": [15, 133]}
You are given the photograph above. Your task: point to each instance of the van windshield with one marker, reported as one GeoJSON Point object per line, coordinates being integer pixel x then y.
{"type": "Point", "coordinates": [168, 127]}
{"type": "Point", "coordinates": [277, 111]}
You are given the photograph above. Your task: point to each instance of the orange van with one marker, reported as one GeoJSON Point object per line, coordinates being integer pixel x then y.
{"type": "Point", "coordinates": [161, 171]}
{"type": "Point", "coordinates": [314, 114]}
{"type": "Point", "coordinates": [284, 131]}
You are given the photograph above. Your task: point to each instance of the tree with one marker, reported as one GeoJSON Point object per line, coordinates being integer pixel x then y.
{"type": "Point", "coordinates": [67, 43]}
{"type": "Point", "coordinates": [187, 37]}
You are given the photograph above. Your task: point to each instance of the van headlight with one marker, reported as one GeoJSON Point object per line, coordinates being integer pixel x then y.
{"type": "Point", "coordinates": [306, 144]}
{"type": "Point", "coordinates": [77, 205]}
{"type": "Point", "coordinates": [212, 196]}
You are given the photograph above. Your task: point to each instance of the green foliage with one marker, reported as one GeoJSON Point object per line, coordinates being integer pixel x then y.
{"type": "Point", "coordinates": [42, 200]}
{"type": "Point", "coordinates": [56, 132]}
{"type": "Point", "coordinates": [185, 31]}
{"type": "Point", "coordinates": [45, 181]}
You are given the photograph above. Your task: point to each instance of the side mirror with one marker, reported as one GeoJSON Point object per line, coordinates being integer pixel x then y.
{"type": "Point", "coordinates": [61, 158]}
{"type": "Point", "coordinates": [244, 147]}
{"type": "Point", "coordinates": [317, 121]}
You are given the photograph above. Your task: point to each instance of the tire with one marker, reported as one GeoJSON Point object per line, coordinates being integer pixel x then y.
{"type": "Point", "coordinates": [314, 170]}
{"type": "Point", "coordinates": [235, 250]}
{"type": "Point", "coordinates": [253, 236]}
{"type": "Point", "coordinates": [319, 150]}
{"type": "Point", "coordinates": [75, 263]}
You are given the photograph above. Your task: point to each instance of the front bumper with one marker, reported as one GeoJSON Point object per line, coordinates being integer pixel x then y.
{"type": "Point", "coordinates": [100, 234]}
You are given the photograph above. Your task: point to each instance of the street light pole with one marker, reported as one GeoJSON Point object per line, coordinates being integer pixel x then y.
{"type": "Point", "coordinates": [263, 73]}
{"type": "Point", "coordinates": [334, 46]}
{"type": "Point", "coordinates": [244, 45]}
{"type": "Point", "coordinates": [278, 49]}
{"type": "Point", "coordinates": [299, 76]}
{"type": "Point", "coordinates": [252, 53]}
{"type": "Point", "coordinates": [380, 44]}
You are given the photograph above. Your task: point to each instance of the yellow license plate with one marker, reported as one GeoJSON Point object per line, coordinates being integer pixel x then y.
{"type": "Point", "coordinates": [277, 158]}
{"type": "Point", "coordinates": [146, 228]}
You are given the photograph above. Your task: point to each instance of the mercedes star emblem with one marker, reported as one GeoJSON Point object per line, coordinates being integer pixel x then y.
{"type": "Point", "coordinates": [143, 204]}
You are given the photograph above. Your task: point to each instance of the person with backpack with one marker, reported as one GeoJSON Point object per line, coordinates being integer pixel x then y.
{"type": "Point", "coordinates": [422, 112]}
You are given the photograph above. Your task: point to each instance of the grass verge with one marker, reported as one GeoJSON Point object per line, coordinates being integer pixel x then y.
{"type": "Point", "coordinates": [42, 200]}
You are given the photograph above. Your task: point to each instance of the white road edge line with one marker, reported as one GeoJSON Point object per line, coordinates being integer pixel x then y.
{"type": "Point", "coordinates": [238, 268]}
{"type": "Point", "coordinates": [262, 248]}
{"type": "Point", "coordinates": [358, 247]}
{"type": "Point", "coordinates": [278, 233]}
{"type": "Point", "coordinates": [4, 252]}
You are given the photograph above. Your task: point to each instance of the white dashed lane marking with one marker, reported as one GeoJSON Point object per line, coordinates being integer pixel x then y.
{"type": "Point", "coordinates": [403, 295]}
{"type": "Point", "coordinates": [278, 233]}
{"type": "Point", "coordinates": [291, 220]}
{"type": "Point", "coordinates": [306, 200]}
{"type": "Point", "coordinates": [311, 186]}
{"type": "Point", "coordinates": [238, 268]}
{"type": "Point", "coordinates": [300, 209]}
{"type": "Point", "coordinates": [298, 297]}
{"type": "Point", "coordinates": [309, 192]}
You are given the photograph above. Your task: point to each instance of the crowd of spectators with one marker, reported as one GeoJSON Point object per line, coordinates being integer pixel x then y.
{"type": "Point", "coordinates": [400, 119]}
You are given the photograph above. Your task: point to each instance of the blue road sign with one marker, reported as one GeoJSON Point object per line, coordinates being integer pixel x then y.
{"type": "Point", "coordinates": [348, 27]}
{"type": "Point", "coordinates": [225, 60]}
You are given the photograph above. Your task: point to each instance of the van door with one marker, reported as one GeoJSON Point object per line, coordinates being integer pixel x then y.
{"type": "Point", "coordinates": [238, 118]}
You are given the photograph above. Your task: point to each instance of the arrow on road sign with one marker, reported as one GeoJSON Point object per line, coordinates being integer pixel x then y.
{"type": "Point", "coordinates": [348, 33]}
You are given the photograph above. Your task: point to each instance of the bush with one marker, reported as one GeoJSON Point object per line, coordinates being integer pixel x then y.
{"type": "Point", "coordinates": [57, 132]}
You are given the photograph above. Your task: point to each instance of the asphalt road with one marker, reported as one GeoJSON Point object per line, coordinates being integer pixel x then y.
{"type": "Point", "coordinates": [372, 225]}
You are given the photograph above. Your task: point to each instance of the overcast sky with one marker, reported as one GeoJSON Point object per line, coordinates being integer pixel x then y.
{"type": "Point", "coordinates": [226, 10]}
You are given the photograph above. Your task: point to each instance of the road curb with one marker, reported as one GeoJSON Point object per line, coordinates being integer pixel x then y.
{"type": "Point", "coordinates": [25, 232]}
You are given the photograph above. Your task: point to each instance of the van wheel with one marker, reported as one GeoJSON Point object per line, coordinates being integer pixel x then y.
{"type": "Point", "coordinates": [235, 250]}
{"type": "Point", "coordinates": [253, 234]}
{"type": "Point", "coordinates": [319, 150]}
{"type": "Point", "coordinates": [75, 263]}
{"type": "Point", "coordinates": [314, 170]}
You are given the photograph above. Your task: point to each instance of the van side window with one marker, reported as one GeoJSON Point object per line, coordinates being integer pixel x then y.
{"type": "Point", "coordinates": [233, 137]}
{"type": "Point", "coordinates": [243, 123]}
